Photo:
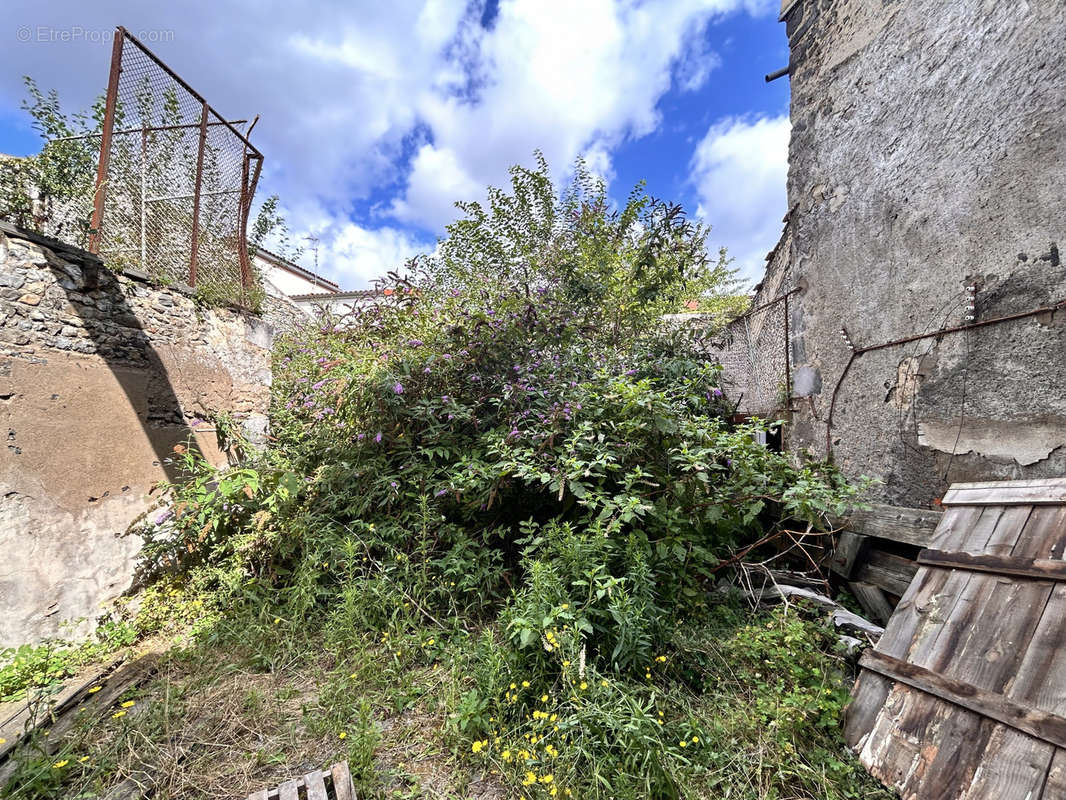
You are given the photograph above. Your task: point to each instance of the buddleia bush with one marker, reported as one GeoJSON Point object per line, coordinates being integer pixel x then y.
{"type": "Point", "coordinates": [515, 420]}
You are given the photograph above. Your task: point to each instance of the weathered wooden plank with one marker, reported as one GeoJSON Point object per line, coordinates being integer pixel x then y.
{"type": "Point", "coordinates": [1055, 786]}
{"type": "Point", "coordinates": [1040, 569]}
{"type": "Point", "coordinates": [1044, 535]}
{"type": "Point", "coordinates": [897, 523]}
{"type": "Point", "coordinates": [96, 704]}
{"type": "Point", "coordinates": [884, 707]}
{"type": "Point", "coordinates": [981, 653]}
{"type": "Point", "coordinates": [260, 795]}
{"type": "Point", "coordinates": [1050, 728]}
{"type": "Point", "coordinates": [290, 790]}
{"type": "Point", "coordinates": [846, 552]}
{"type": "Point", "coordinates": [343, 788]}
{"type": "Point", "coordinates": [30, 716]}
{"type": "Point", "coordinates": [956, 527]}
{"type": "Point", "coordinates": [887, 571]}
{"type": "Point", "coordinates": [907, 754]}
{"type": "Point", "coordinates": [952, 751]}
{"type": "Point", "coordinates": [873, 600]}
{"type": "Point", "coordinates": [315, 786]}
{"type": "Point", "coordinates": [1041, 678]}
{"type": "Point", "coordinates": [870, 692]}
{"type": "Point", "coordinates": [1051, 491]}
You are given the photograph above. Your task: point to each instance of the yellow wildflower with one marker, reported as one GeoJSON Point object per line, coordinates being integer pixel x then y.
{"type": "Point", "coordinates": [544, 698]}
{"type": "Point", "coordinates": [506, 755]}
{"type": "Point", "coordinates": [129, 704]}
{"type": "Point", "coordinates": [95, 689]}
{"type": "Point", "coordinates": [530, 779]}
{"type": "Point", "coordinates": [83, 759]}
{"type": "Point", "coordinates": [479, 745]}
{"type": "Point", "coordinates": [695, 739]}
{"type": "Point", "coordinates": [60, 764]}
{"type": "Point", "coordinates": [525, 684]}
{"type": "Point", "coordinates": [584, 686]}
{"type": "Point", "coordinates": [683, 743]}
{"type": "Point", "coordinates": [277, 620]}
{"type": "Point", "coordinates": [547, 778]}
{"type": "Point", "coordinates": [342, 735]}
{"type": "Point", "coordinates": [118, 714]}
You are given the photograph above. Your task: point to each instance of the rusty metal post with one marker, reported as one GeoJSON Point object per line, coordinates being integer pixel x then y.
{"type": "Point", "coordinates": [105, 141]}
{"type": "Point", "coordinates": [194, 242]}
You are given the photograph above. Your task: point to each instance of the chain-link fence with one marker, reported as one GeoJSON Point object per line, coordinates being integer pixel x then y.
{"type": "Point", "coordinates": [754, 353]}
{"type": "Point", "coordinates": [162, 184]}
{"type": "Point", "coordinates": [175, 180]}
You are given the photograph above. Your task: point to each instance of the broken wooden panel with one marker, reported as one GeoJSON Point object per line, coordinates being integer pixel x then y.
{"type": "Point", "coordinates": [965, 695]}
{"type": "Point", "coordinates": [874, 552]}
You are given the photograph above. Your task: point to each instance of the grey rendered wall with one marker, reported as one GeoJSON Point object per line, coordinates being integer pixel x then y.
{"type": "Point", "coordinates": [928, 154]}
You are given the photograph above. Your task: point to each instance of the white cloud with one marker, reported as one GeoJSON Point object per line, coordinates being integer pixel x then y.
{"type": "Point", "coordinates": [358, 255]}
{"type": "Point", "coordinates": [567, 80]}
{"type": "Point", "coordinates": [696, 63]}
{"type": "Point", "coordinates": [739, 171]}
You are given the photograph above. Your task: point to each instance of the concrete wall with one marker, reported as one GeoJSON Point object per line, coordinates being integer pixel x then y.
{"type": "Point", "coordinates": [928, 154]}
{"type": "Point", "coordinates": [100, 376]}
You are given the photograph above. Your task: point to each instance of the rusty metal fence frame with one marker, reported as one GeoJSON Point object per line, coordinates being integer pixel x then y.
{"type": "Point", "coordinates": [187, 112]}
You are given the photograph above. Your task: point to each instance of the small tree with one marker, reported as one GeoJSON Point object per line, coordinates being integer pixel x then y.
{"type": "Point", "coordinates": [52, 191]}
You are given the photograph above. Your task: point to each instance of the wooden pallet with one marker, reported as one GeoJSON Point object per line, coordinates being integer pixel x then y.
{"type": "Point", "coordinates": [964, 697]}
{"type": "Point", "coordinates": [332, 784]}
{"type": "Point", "coordinates": [876, 553]}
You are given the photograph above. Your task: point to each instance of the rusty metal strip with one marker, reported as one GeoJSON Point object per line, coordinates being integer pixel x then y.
{"type": "Point", "coordinates": [1042, 725]}
{"type": "Point", "coordinates": [1041, 569]}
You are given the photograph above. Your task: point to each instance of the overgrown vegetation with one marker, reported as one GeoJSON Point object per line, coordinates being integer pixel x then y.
{"type": "Point", "coordinates": [493, 529]}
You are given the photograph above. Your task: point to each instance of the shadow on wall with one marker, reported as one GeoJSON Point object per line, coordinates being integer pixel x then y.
{"type": "Point", "coordinates": [111, 329]}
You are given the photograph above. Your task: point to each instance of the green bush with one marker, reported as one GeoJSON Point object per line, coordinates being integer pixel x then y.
{"type": "Point", "coordinates": [514, 453]}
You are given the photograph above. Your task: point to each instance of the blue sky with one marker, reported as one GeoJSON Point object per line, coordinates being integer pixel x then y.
{"type": "Point", "coordinates": [376, 117]}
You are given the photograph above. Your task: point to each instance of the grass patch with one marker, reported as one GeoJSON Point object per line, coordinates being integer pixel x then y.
{"type": "Point", "coordinates": [738, 706]}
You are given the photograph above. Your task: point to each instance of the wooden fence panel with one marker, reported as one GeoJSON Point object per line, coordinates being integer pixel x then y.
{"type": "Point", "coordinates": [965, 694]}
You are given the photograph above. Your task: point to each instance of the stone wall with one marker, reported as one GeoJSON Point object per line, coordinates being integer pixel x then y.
{"type": "Point", "coordinates": [928, 154]}
{"type": "Point", "coordinates": [101, 375]}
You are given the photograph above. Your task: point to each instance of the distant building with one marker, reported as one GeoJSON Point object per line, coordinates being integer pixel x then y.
{"type": "Point", "coordinates": [283, 278]}
{"type": "Point", "coordinates": [305, 291]}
